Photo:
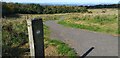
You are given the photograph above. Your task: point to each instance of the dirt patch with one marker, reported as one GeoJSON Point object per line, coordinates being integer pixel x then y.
{"type": "Point", "coordinates": [51, 51]}
{"type": "Point", "coordinates": [79, 22]}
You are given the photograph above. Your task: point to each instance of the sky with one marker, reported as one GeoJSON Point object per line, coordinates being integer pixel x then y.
{"type": "Point", "coordinates": [81, 2]}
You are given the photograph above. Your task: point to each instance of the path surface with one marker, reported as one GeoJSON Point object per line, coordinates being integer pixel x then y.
{"type": "Point", "coordinates": [82, 40]}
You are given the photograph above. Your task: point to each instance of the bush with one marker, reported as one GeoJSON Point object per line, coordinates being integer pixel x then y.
{"type": "Point", "coordinates": [15, 8]}
{"type": "Point", "coordinates": [89, 11]}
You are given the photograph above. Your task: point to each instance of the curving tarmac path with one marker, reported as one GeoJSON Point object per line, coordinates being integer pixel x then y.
{"type": "Point", "coordinates": [82, 40]}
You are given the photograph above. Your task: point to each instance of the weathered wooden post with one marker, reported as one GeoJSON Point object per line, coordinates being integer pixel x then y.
{"type": "Point", "coordinates": [85, 54]}
{"type": "Point", "coordinates": [36, 41]}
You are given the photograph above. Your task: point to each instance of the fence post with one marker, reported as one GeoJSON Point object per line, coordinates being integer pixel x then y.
{"type": "Point", "coordinates": [36, 41]}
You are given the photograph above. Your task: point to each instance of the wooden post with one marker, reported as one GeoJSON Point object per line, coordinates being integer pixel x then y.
{"type": "Point", "coordinates": [36, 41]}
{"type": "Point", "coordinates": [31, 41]}
{"type": "Point", "coordinates": [85, 54]}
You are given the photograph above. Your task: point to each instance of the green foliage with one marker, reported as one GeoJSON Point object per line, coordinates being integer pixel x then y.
{"type": "Point", "coordinates": [14, 8]}
{"type": "Point", "coordinates": [104, 19]}
{"type": "Point", "coordinates": [7, 8]}
{"type": "Point", "coordinates": [63, 49]}
{"type": "Point", "coordinates": [14, 34]}
{"type": "Point", "coordinates": [63, 9]}
{"type": "Point", "coordinates": [95, 28]}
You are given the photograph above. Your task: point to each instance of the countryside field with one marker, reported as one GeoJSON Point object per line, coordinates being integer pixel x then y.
{"type": "Point", "coordinates": [15, 30]}
{"type": "Point", "coordinates": [15, 36]}
{"type": "Point", "coordinates": [96, 21]}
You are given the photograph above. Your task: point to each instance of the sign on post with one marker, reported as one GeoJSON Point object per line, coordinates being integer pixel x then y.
{"type": "Point", "coordinates": [36, 37]}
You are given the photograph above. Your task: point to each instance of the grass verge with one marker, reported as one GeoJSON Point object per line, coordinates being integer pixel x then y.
{"type": "Point", "coordinates": [62, 48]}
{"type": "Point", "coordinates": [105, 24]}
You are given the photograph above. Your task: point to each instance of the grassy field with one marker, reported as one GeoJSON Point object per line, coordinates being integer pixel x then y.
{"type": "Point", "coordinates": [15, 30]}
{"type": "Point", "coordinates": [97, 20]}
{"type": "Point", "coordinates": [15, 37]}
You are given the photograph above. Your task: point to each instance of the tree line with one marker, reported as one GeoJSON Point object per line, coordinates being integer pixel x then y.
{"type": "Point", "coordinates": [19, 8]}
{"type": "Point", "coordinates": [103, 6]}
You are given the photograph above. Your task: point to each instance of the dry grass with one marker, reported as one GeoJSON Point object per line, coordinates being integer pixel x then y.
{"type": "Point", "coordinates": [98, 21]}
{"type": "Point", "coordinates": [51, 51]}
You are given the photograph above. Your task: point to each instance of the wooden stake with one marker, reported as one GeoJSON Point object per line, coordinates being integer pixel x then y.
{"type": "Point", "coordinates": [31, 41]}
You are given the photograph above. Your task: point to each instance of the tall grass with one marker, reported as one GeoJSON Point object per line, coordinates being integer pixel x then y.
{"type": "Point", "coordinates": [98, 23]}
{"type": "Point", "coordinates": [15, 37]}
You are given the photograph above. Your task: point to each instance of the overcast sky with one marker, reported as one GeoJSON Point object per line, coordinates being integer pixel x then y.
{"type": "Point", "coordinates": [66, 1]}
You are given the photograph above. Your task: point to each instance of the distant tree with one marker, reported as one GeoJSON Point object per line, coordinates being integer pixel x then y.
{"type": "Point", "coordinates": [18, 8]}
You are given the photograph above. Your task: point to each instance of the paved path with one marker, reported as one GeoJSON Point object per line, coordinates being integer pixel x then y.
{"type": "Point", "coordinates": [82, 40]}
